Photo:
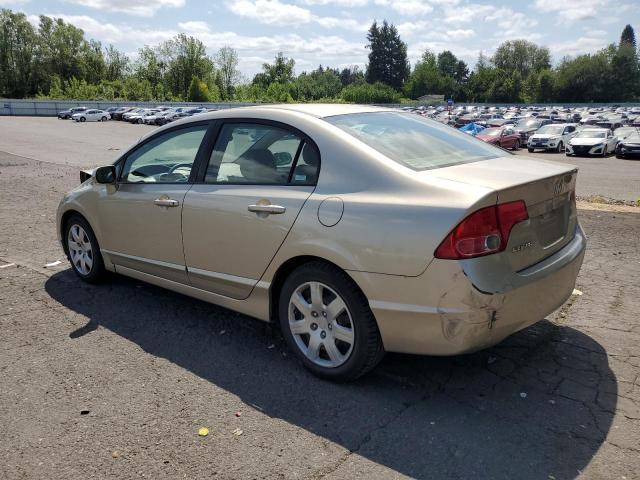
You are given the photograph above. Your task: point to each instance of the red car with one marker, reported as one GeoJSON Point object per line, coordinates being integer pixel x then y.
{"type": "Point", "coordinates": [504, 137]}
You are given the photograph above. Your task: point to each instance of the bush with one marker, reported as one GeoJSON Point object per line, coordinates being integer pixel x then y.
{"type": "Point", "coordinates": [370, 93]}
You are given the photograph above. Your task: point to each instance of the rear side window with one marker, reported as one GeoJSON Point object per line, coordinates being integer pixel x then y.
{"type": "Point", "coordinates": [414, 141]}
{"type": "Point", "coordinates": [260, 154]}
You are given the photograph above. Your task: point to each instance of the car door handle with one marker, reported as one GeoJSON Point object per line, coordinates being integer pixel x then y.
{"type": "Point", "coordinates": [166, 202]}
{"type": "Point", "coordinates": [268, 209]}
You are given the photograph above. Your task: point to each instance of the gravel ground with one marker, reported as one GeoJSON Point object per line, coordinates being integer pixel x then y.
{"type": "Point", "coordinates": [114, 381]}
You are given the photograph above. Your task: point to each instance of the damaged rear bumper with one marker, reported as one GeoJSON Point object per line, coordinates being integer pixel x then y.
{"type": "Point", "coordinates": [442, 313]}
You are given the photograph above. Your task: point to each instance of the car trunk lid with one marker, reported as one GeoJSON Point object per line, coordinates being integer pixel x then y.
{"type": "Point", "coordinates": [548, 190]}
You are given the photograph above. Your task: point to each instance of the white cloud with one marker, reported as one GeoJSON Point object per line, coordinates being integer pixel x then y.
{"type": "Point", "coordinates": [340, 3]}
{"type": "Point", "coordinates": [572, 10]}
{"type": "Point", "coordinates": [274, 12]}
{"type": "Point", "coordinates": [7, 3]}
{"type": "Point", "coordinates": [467, 13]}
{"type": "Point", "coordinates": [271, 12]}
{"type": "Point", "coordinates": [194, 26]}
{"type": "Point", "coordinates": [407, 7]}
{"type": "Point", "coordinates": [585, 44]}
{"type": "Point", "coordinates": [144, 8]}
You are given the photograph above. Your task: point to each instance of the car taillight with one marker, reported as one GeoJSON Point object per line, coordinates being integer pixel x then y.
{"type": "Point", "coordinates": [484, 232]}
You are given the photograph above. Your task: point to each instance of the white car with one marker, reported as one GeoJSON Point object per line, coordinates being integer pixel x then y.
{"type": "Point", "coordinates": [592, 141]}
{"type": "Point", "coordinates": [91, 115]}
{"type": "Point", "coordinates": [139, 117]}
{"type": "Point", "coordinates": [137, 111]}
{"type": "Point", "coordinates": [551, 137]}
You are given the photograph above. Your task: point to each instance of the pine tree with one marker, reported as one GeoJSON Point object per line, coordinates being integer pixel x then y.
{"type": "Point", "coordinates": [388, 61]}
{"type": "Point", "coordinates": [628, 36]}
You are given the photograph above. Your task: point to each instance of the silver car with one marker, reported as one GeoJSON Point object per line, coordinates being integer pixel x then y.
{"type": "Point", "coordinates": [359, 229]}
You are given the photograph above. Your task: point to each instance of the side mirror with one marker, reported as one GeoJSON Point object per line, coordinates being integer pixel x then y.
{"type": "Point", "coordinates": [106, 174]}
{"type": "Point", "coordinates": [283, 159]}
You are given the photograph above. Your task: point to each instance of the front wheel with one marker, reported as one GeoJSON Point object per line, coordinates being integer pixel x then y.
{"type": "Point", "coordinates": [83, 250]}
{"type": "Point", "coordinates": [104, 119]}
{"type": "Point", "coordinates": [516, 146]}
{"type": "Point", "coordinates": [82, 119]}
{"type": "Point", "coordinates": [140, 121]}
{"type": "Point", "coordinates": [560, 148]}
{"type": "Point", "coordinates": [327, 322]}
{"type": "Point", "coordinates": [530, 150]}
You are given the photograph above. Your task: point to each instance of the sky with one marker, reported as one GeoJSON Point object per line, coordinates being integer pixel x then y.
{"type": "Point", "coordinates": [333, 32]}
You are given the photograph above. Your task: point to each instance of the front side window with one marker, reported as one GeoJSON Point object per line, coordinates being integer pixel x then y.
{"type": "Point", "coordinates": [247, 153]}
{"type": "Point", "coordinates": [414, 141]}
{"type": "Point", "coordinates": [167, 158]}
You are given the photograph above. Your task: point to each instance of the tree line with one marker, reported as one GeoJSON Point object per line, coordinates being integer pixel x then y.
{"type": "Point", "coordinates": [55, 60]}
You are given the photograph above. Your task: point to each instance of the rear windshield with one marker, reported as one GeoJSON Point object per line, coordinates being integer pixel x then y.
{"type": "Point", "coordinates": [414, 141]}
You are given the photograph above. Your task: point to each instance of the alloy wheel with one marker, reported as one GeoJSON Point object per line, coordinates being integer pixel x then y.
{"type": "Point", "coordinates": [321, 324]}
{"type": "Point", "coordinates": [80, 250]}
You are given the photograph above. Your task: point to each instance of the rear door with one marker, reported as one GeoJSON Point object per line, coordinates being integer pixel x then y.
{"type": "Point", "coordinates": [236, 217]}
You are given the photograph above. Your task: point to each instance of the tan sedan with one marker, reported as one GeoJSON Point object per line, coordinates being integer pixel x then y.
{"type": "Point", "coordinates": [359, 229]}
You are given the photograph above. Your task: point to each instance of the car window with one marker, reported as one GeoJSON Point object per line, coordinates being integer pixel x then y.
{"type": "Point", "coordinates": [414, 141]}
{"type": "Point", "coordinates": [165, 159]}
{"type": "Point", "coordinates": [259, 154]}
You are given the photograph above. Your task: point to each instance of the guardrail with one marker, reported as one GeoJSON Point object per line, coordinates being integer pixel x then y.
{"type": "Point", "coordinates": [50, 108]}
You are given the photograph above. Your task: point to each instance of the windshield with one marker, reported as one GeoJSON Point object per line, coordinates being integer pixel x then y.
{"type": "Point", "coordinates": [551, 130]}
{"type": "Point", "coordinates": [528, 123]}
{"type": "Point", "coordinates": [591, 134]}
{"type": "Point", "coordinates": [414, 141]}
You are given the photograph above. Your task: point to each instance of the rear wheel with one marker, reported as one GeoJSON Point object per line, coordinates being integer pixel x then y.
{"type": "Point", "coordinates": [327, 322]}
{"type": "Point", "coordinates": [83, 250]}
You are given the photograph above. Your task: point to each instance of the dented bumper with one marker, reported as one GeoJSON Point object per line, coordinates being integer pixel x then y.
{"type": "Point", "coordinates": [441, 312]}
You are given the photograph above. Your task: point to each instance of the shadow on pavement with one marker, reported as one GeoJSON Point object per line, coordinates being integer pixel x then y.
{"type": "Point", "coordinates": [527, 408]}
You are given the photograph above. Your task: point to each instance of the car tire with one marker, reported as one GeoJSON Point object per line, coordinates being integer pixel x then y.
{"type": "Point", "coordinates": [140, 121]}
{"type": "Point", "coordinates": [103, 119]}
{"type": "Point", "coordinates": [82, 119]}
{"type": "Point", "coordinates": [560, 147]}
{"type": "Point", "coordinates": [354, 322]}
{"type": "Point", "coordinates": [83, 251]}
{"type": "Point", "coordinates": [516, 146]}
{"type": "Point", "coordinates": [530, 150]}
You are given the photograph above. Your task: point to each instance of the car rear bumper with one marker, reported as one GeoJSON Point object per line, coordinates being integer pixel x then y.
{"type": "Point", "coordinates": [442, 313]}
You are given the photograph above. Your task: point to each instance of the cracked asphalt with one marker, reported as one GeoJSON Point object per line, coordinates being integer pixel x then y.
{"type": "Point", "coordinates": [114, 381]}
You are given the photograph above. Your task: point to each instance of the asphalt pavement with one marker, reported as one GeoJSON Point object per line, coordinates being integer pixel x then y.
{"type": "Point", "coordinates": [115, 380]}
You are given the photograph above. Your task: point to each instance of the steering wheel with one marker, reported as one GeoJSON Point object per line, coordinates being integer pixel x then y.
{"type": "Point", "coordinates": [179, 165]}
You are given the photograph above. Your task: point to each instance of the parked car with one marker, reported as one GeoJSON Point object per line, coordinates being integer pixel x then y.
{"type": "Point", "coordinates": [629, 147]}
{"type": "Point", "coordinates": [135, 111]}
{"type": "Point", "coordinates": [623, 132]}
{"type": "Point", "coordinates": [67, 114]}
{"type": "Point", "coordinates": [117, 115]}
{"type": "Point", "coordinates": [283, 213]}
{"type": "Point", "coordinates": [551, 137]}
{"type": "Point", "coordinates": [504, 137]}
{"type": "Point", "coordinates": [527, 126]}
{"type": "Point", "coordinates": [592, 141]}
{"type": "Point", "coordinates": [139, 117]}
{"type": "Point", "coordinates": [92, 115]}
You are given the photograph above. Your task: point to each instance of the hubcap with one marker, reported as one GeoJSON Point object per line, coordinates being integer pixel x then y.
{"type": "Point", "coordinates": [327, 338]}
{"type": "Point", "coordinates": [80, 249]}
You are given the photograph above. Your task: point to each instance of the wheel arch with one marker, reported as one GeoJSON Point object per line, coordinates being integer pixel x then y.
{"type": "Point", "coordinates": [64, 218]}
{"type": "Point", "coordinates": [285, 269]}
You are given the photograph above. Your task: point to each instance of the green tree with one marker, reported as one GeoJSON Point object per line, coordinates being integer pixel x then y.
{"type": "Point", "coordinates": [18, 44]}
{"type": "Point", "coordinates": [521, 56]}
{"type": "Point", "coordinates": [352, 74]}
{"type": "Point", "coordinates": [370, 93]}
{"type": "Point", "coordinates": [116, 64]}
{"type": "Point", "coordinates": [280, 71]}
{"type": "Point", "coordinates": [227, 62]}
{"type": "Point", "coordinates": [628, 37]}
{"type": "Point", "coordinates": [198, 90]}
{"type": "Point", "coordinates": [388, 61]}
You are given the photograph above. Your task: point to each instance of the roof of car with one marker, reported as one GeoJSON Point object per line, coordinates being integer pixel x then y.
{"type": "Point", "coordinates": [319, 110]}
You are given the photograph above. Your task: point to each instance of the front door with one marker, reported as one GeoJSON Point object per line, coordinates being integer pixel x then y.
{"type": "Point", "coordinates": [236, 219]}
{"type": "Point", "coordinates": [141, 217]}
